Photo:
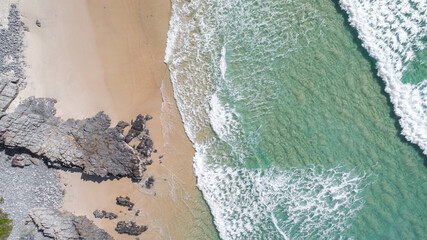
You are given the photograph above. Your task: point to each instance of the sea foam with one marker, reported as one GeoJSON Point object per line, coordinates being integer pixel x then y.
{"type": "Point", "coordinates": [393, 32]}
{"type": "Point", "coordinates": [279, 203]}
{"type": "Point", "coordinates": [250, 203]}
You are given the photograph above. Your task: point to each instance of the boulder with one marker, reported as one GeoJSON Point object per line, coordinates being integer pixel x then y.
{"type": "Point", "coordinates": [64, 225]}
{"type": "Point", "coordinates": [130, 228]}
{"type": "Point", "coordinates": [125, 202]}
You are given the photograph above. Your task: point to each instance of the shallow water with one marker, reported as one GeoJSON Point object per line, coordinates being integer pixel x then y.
{"type": "Point", "coordinates": [295, 136]}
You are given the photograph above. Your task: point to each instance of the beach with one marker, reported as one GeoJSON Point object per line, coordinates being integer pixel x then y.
{"type": "Point", "coordinates": [108, 56]}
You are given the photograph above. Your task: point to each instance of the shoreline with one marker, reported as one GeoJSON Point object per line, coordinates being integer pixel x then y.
{"type": "Point", "coordinates": [120, 47]}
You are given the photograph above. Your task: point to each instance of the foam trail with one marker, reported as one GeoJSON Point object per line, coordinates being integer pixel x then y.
{"type": "Point", "coordinates": [393, 33]}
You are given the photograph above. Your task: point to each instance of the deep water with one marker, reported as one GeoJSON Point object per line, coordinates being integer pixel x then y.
{"type": "Point", "coordinates": [296, 137]}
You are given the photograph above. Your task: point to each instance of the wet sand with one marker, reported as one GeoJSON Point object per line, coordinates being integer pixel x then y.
{"type": "Point", "coordinates": [108, 55]}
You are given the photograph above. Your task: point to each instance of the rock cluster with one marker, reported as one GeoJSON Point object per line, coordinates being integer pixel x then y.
{"type": "Point", "coordinates": [138, 130]}
{"type": "Point", "coordinates": [22, 160]}
{"type": "Point", "coordinates": [130, 228]}
{"type": "Point", "coordinates": [89, 144]}
{"type": "Point", "coordinates": [125, 202]}
{"type": "Point", "coordinates": [104, 214]}
{"type": "Point", "coordinates": [64, 225]}
{"type": "Point", "coordinates": [11, 58]}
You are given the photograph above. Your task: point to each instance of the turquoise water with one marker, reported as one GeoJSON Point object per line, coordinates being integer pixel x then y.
{"type": "Point", "coordinates": [295, 135]}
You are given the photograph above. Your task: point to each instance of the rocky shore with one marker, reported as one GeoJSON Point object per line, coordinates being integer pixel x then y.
{"type": "Point", "coordinates": [89, 144]}
{"type": "Point", "coordinates": [35, 144]}
{"type": "Point", "coordinates": [64, 225]}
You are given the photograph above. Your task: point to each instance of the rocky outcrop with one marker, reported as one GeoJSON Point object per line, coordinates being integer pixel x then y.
{"type": "Point", "coordinates": [11, 58]}
{"type": "Point", "coordinates": [104, 214]}
{"type": "Point", "coordinates": [125, 202]}
{"type": "Point", "coordinates": [130, 228]}
{"type": "Point", "coordinates": [64, 225]}
{"type": "Point", "coordinates": [149, 182]}
{"type": "Point", "coordinates": [89, 144]}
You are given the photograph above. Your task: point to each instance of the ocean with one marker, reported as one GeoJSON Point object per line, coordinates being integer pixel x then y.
{"type": "Point", "coordinates": [309, 118]}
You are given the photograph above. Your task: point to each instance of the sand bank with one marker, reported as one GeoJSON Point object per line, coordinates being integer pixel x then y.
{"type": "Point", "coordinates": [108, 55]}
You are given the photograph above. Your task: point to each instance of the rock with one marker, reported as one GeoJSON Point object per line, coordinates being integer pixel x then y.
{"type": "Point", "coordinates": [145, 147]}
{"type": "Point", "coordinates": [147, 162]}
{"type": "Point", "coordinates": [22, 160]}
{"type": "Point", "coordinates": [64, 225]}
{"type": "Point", "coordinates": [130, 228]}
{"type": "Point", "coordinates": [149, 182]}
{"type": "Point", "coordinates": [104, 214]}
{"type": "Point", "coordinates": [38, 23]}
{"type": "Point", "coordinates": [12, 74]}
{"type": "Point", "coordinates": [98, 214]}
{"type": "Point", "coordinates": [137, 212]}
{"type": "Point", "coordinates": [137, 127]}
{"type": "Point", "coordinates": [89, 144]}
{"type": "Point", "coordinates": [125, 202]}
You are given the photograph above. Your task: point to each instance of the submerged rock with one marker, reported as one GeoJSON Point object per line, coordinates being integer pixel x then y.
{"type": "Point", "coordinates": [90, 144]}
{"type": "Point", "coordinates": [130, 228]}
{"type": "Point", "coordinates": [64, 225]}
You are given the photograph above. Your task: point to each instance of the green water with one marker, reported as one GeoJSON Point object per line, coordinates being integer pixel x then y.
{"type": "Point", "coordinates": [331, 111]}
{"type": "Point", "coordinates": [417, 68]}
{"type": "Point", "coordinates": [306, 114]}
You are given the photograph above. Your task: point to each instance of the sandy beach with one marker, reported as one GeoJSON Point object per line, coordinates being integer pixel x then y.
{"type": "Point", "coordinates": [108, 56]}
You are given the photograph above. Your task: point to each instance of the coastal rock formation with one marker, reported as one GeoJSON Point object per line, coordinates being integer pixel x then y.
{"type": "Point", "coordinates": [125, 202]}
{"type": "Point", "coordinates": [89, 144]}
{"type": "Point", "coordinates": [104, 214]}
{"type": "Point", "coordinates": [130, 228]}
{"type": "Point", "coordinates": [11, 58]}
{"type": "Point", "coordinates": [64, 225]}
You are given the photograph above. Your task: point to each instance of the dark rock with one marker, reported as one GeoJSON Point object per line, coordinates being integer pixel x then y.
{"type": "Point", "coordinates": [125, 202]}
{"type": "Point", "coordinates": [149, 182]}
{"type": "Point", "coordinates": [137, 127]}
{"type": "Point", "coordinates": [104, 214]}
{"type": "Point", "coordinates": [64, 225]}
{"type": "Point", "coordinates": [145, 147]}
{"type": "Point", "coordinates": [147, 162]}
{"type": "Point", "coordinates": [130, 228]}
{"type": "Point", "coordinates": [98, 214]}
{"type": "Point", "coordinates": [38, 23]}
{"type": "Point", "coordinates": [89, 144]}
{"type": "Point", "coordinates": [137, 212]}
{"type": "Point", "coordinates": [161, 156]}
{"type": "Point", "coordinates": [155, 151]}
{"type": "Point", "coordinates": [148, 117]}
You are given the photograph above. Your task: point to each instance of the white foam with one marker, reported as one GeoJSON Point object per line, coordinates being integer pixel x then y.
{"type": "Point", "coordinates": [391, 31]}
{"type": "Point", "coordinates": [245, 202]}
{"type": "Point", "coordinates": [223, 120]}
{"type": "Point", "coordinates": [223, 64]}
{"type": "Point", "coordinates": [248, 203]}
